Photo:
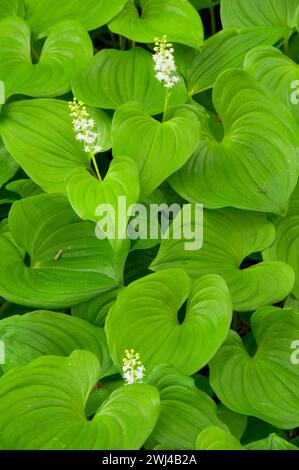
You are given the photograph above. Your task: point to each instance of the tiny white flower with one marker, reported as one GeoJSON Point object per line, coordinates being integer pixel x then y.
{"type": "Point", "coordinates": [164, 64]}
{"type": "Point", "coordinates": [133, 369]}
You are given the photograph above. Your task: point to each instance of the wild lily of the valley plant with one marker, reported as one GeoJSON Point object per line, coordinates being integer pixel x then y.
{"type": "Point", "coordinates": [130, 342]}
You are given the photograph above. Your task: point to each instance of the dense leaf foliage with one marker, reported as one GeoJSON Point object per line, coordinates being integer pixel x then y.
{"type": "Point", "coordinates": [149, 225]}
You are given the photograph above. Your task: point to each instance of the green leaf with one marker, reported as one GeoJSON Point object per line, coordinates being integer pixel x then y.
{"type": "Point", "coordinates": [8, 166]}
{"type": "Point", "coordinates": [264, 385]}
{"type": "Point", "coordinates": [184, 410]}
{"type": "Point", "coordinates": [214, 438]}
{"type": "Point", "coordinates": [272, 442]}
{"type": "Point", "coordinates": [159, 149]}
{"type": "Point", "coordinates": [224, 50]}
{"type": "Point", "coordinates": [11, 8]}
{"type": "Point", "coordinates": [42, 407]}
{"type": "Point", "coordinates": [177, 19]}
{"type": "Point", "coordinates": [240, 13]}
{"type": "Point", "coordinates": [39, 135]}
{"type": "Point", "coordinates": [92, 14]}
{"type": "Point", "coordinates": [67, 48]}
{"type": "Point", "coordinates": [24, 188]}
{"type": "Point", "coordinates": [145, 318]}
{"type": "Point", "coordinates": [229, 236]}
{"type": "Point", "coordinates": [235, 422]}
{"type": "Point", "coordinates": [86, 193]}
{"type": "Point", "coordinates": [277, 73]}
{"type": "Point", "coordinates": [260, 143]}
{"type": "Point", "coordinates": [285, 247]}
{"type": "Point", "coordinates": [96, 309]}
{"type": "Point", "coordinates": [65, 263]}
{"type": "Point", "coordinates": [40, 333]}
{"type": "Point", "coordinates": [113, 78]}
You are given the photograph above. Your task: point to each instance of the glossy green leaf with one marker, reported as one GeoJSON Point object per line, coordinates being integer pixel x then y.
{"type": "Point", "coordinates": [235, 422]}
{"type": "Point", "coordinates": [266, 384]}
{"type": "Point", "coordinates": [285, 247]}
{"type": "Point", "coordinates": [114, 77]}
{"type": "Point", "coordinates": [159, 149]}
{"type": "Point", "coordinates": [224, 50]}
{"type": "Point", "coordinates": [65, 262]}
{"type": "Point", "coordinates": [145, 318]}
{"type": "Point", "coordinates": [34, 334]}
{"type": "Point", "coordinates": [39, 135]}
{"type": "Point", "coordinates": [49, 396]}
{"type": "Point", "coordinates": [240, 13]}
{"type": "Point", "coordinates": [24, 188]}
{"type": "Point", "coordinates": [277, 73]}
{"type": "Point", "coordinates": [8, 166]}
{"type": "Point", "coordinates": [214, 438]}
{"type": "Point", "coordinates": [43, 14]}
{"type": "Point", "coordinates": [11, 8]}
{"type": "Point", "coordinates": [229, 236]}
{"type": "Point", "coordinates": [260, 143]}
{"type": "Point", "coordinates": [184, 410]}
{"type": "Point", "coordinates": [96, 309]}
{"type": "Point", "coordinates": [177, 19]}
{"type": "Point", "coordinates": [86, 193]}
{"type": "Point", "coordinates": [67, 49]}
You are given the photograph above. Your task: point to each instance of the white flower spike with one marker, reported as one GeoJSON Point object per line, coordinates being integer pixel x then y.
{"type": "Point", "coordinates": [164, 64]}
{"type": "Point", "coordinates": [133, 369]}
{"type": "Point", "coordinates": [85, 129]}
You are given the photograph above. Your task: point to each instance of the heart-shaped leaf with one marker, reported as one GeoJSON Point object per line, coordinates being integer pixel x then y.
{"type": "Point", "coordinates": [58, 260]}
{"type": "Point", "coordinates": [285, 247]}
{"type": "Point", "coordinates": [266, 384]}
{"type": "Point", "coordinates": [177, 19]}
{"type": "Point", "coordinates": [277, 72]}
{"type": "Point", "coordinates": [85, 194]}
{"type": "Point", "coordinates": [67, 48]}
{"type": "Point", "coordinates": [159, 149]}
{"type": "Point", "coordinates": [184, 409]}
{"type": "Point", "coordinates": [260, 143]}
{"type": "Point", "coordinates": [43, 403]}
{"type": "Point", "coordinates": [39, 135]}
{"type": "Point", "coordinates": [224, 50]}
{"type": "Point", "coordinates": [240, 13]}
{"type": "Point", "coordinates": [92, 14]}
{"type": "Point", "coordinates": [145, 318]}
{"type": "Point", "coordinates": [229, 236]}
{"type": "Point", "coordinates": [39, 333]}
{"type": "Point", "coordinates": [114, 77]}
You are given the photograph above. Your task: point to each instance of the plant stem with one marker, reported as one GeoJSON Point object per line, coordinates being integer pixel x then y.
{"type": "Point", "coordinates": [165, 103]}
{"type": "Point", "coordinates": [213, 19]}
{"type": "Point", "coordinates": [133, 43]}
{"type": "Point", "coordinates": [286, 46]}
{"type": "Point", "coordinates": [95, 165]}
{"type": "Point", "coordinates": [122, 43]}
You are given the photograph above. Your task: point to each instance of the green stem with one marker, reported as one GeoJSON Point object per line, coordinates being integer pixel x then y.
{"type": "Point", "coordinates": [122, 43]}
{"type": "Point", "coordinates": [286, 46]}
{"type": "Point", "coordinates": [4, 307]}
{"type": "Point", "coordinates": [213, 19]}
{"type": "Point", "coordinates": [166, 103]}
{"type": "Point", "coordinates": [95, 165]}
